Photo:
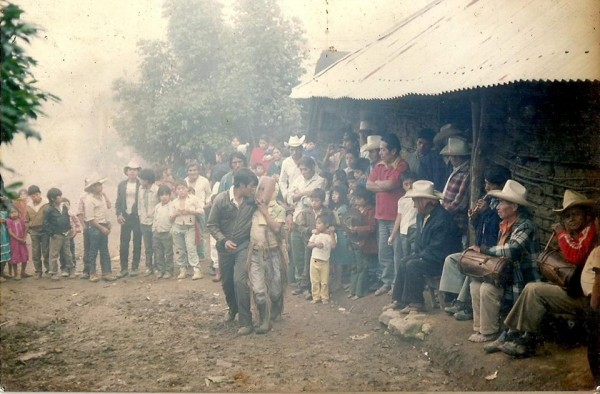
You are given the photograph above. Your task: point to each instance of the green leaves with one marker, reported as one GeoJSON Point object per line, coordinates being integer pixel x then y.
{"type": "Point", "coordinates": [21, 99]}
{"type": "Point", "coordinates": [212, 79]}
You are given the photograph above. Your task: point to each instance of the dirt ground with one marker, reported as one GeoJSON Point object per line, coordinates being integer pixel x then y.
{"type": "Point", "coordinates": [143, 334]}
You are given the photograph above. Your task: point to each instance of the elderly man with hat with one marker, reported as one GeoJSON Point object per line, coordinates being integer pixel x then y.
{"type": "Point", "coordinates": [436, 238]}
{"type": "Point", "coordinates": [370, 151]}
{"type": "Point", "coordinates": [516, 242]}
{"type": "Point", "coordinates": [127, 216]}
{"type": "Point", "coordinates": [576, 235]}
{"type": "Point", "coordinates": [456, 190]}
{"type": "Point", "coordinates": [96, 221]}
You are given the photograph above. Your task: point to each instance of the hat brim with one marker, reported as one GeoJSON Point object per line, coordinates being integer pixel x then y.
{"type": "Point", "coordinates": [445, 152]}
{"type": "Point", "coordinates": [100, 181]}
{"type": "Point", "coordinates": [368, 147]}
{"type": "Point", "coordinates": [127, 167]}
{"type": "Point", "coordinates": [436, 195]}
{"type": "Point", "coordinates": [511, 198]}
{"type": "Point", "coordinates": [582, 203]}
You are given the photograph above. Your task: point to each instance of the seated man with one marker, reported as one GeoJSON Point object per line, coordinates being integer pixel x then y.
{"type": "Point", "coordinates": [576, 238]}
{"type": "Point", "coordinates": [437, 237]}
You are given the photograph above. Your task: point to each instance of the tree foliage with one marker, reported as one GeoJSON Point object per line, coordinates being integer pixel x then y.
{"type": "Point", "coordinates": [212, 79]}
{"type": "Point", "coordinates": [21, 99]}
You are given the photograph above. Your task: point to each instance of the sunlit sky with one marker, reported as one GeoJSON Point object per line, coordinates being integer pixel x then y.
{"type": "Point", "coordinates": [84, 45]}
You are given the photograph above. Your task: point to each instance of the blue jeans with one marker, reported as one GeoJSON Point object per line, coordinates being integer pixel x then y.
{"type": "Point", "coordinates": [386, 252]}
{"type": "Point", "coordinates": [98, 243]}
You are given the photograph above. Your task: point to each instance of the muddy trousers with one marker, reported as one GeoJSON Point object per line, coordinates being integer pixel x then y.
{"type": "Point", "coordinates": [536, 300]}
{"type": "Point", "coordinates": [234, 279]}
{"type": "Point", "coordinates": [40, 251]}
{"type": "Point", "coordinates": [265, 276]}
{"type": "Point", "coordinates": [60, 246]}
{"type": "Point", "coordinates": [162, 244]}
{"type": "Point", "coordinates": [146, 232]}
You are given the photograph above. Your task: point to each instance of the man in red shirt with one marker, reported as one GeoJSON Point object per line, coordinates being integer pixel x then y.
{"type": "Point", "coordinates": [385, 181]}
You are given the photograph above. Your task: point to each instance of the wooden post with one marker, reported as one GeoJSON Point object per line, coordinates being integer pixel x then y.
{"type": "Point", "coordinates": [478, 124]}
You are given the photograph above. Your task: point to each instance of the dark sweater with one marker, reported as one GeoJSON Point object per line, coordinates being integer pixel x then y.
{"type": "Point", "coordinates": [56, 222]}
{"type": "Point", "coordinates": [227, 222]}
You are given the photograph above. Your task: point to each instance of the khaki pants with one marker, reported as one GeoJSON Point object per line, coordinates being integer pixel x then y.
{"type": "Point", "coordinates": [487, 300]}
{"type": "Point", "coordinates": [319, 279]}
{"type": "Point", "coordinates": [536, 300]}
{"type": "Point", "coordinates": [60, 243]}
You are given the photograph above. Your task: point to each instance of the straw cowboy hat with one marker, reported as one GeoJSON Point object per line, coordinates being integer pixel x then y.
{"type": "Point", "coordinates": [295, 141]}
{"type": "Point", "coordinates": [373, 142]}
{"type": "Point", "coordinates": [574, 199]}
{"type": "Point", "coordinates": [424, 189]}
{"type": "Point", "coordinates": [446, 131]}
{"type": "Point", "coordinates": [514, 192]}
{"type": "Point", "coordinates": [456, 147]}
{"type": "Point", "coordinates": [365, 125]}
{"type": "Point", "coordinates": [92, 180]}
{"type": "Point", "coordinates": [133, 163]}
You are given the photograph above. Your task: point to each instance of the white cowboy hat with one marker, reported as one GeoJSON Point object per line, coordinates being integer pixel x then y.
{"type": "Point", "coordinates": [243, 148]}
{"type": "Point", "coordinates": [295, 141]}
{"type": "Point", "coordinates": [92, 180]}
{"type": "Point", "coordinates": [133, 163]}
{"type": "Point", "coordinates": [373, 142]}
{"type": "Point", "coordinates": [424, 189]}
{"type": "Point", "coordinates": [446, 131]}
{"type": "Point", "coordinates": [573, 199]}
{"type": "Point", "coordinates": [456, 147]}
{"type": "Point", "coordinates": [514, 192]}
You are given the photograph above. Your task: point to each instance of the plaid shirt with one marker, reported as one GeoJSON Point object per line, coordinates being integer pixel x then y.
{"type": "Point", "coordinates": [456, 194]}
{"type": "Point", "coordinates": [522, 248]}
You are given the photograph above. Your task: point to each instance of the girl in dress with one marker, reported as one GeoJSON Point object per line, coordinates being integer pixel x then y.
{"type": "Point", "coordinates": [18, 244]}
{"type": "Point", "coordinates": [4, 243]}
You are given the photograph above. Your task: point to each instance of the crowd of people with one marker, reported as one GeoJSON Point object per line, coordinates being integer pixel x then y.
{"type": "Point", "coordinates": [356, 217]}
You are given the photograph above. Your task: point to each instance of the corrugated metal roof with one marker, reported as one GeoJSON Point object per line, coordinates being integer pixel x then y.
{"type": "Point", "coordinates": [460, 44]}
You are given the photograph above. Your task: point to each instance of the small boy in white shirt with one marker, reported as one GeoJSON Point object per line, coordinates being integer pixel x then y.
{"type": "Point", "coordinates": [322, 242]}
{"type": "Point", "coordinates": [162, 241]}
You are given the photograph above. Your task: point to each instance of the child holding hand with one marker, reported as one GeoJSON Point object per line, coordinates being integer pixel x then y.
{"type": "Point", "coordinates": [321, 242]}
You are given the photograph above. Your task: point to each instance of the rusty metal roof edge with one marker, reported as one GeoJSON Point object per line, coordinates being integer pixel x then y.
{"type": "Point", "coordinates": [452, 90]}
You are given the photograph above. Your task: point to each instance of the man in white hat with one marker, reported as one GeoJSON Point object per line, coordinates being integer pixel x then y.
{"type": "Point", "coordinates": [436, 238]}
{"type": "Point", "coordinates": [127, 216]}
{"type": "Point", "coordinates": [289, 167]}
{"type": "Point", "coordinates": [81, 216]}
{"type": "Point", "coordinates": [456, 191]}
{"type": "Point", "coordinates": [96, 220]}
{"type": "Point", "coordinates": [370, 151]}
{"type": "Point", "coordinates": [576, 234]}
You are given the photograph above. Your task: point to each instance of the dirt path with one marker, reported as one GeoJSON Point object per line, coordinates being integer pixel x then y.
{"type": "Point", "coordinates": [143, 334]}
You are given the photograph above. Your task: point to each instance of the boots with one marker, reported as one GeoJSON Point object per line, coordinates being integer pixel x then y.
{"type": "Point", "coordinates": [217, 277]}
{"type": "Point", "coordinates": [182, 273]}
{"type": "Point", "coordinates": [265, 322]}
{"type": "Point", "coordinates": [197, 274]}
{"type": "Point", "coordinates": [276, 308]}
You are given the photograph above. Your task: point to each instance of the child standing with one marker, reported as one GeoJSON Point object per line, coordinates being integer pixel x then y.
{"type": "Point", "coordinates": [184, 210]}
{"type": "Point", "coordinates": [162, 241]}
{"type": "Point", "coordinates": [342, 255]}
{"type": "Point", "coordinates": [364, 242]}
{"type": "Point", "coordinates": [57, 226]}
{"type": "Point", "coordinates": [18, 244]}
{"type": "Point", "coordinates": [405, 226]}
{"type": "Point", "coordinates": [321, 242]}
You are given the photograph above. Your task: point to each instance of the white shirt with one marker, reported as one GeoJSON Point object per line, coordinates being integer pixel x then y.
{"type": "Point", "coordinates": [147, 199]}
{"type": "Point", "coordinates": [201, 188]}
{"type": "Point", "coordinates": [162, 218]}
{"type": "Point", "coordinates": [304, 185]}
{"type": "Point", "coordinates": [289, 173]}
{"type": "Point", "coordinates": [321, 253]}
{"type": "Point", "coordinates": [191, 203]}
{"type": "Point", "coordinates": [95, 208]}
{"type": "Point", "coordinates": [406, 208]}
{"type": "Point", "coordinates": [588, 275]}
{"type": "Point", "coordinates": [130, 195]}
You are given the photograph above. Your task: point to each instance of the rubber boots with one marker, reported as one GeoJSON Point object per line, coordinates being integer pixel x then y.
{"type": "Point", "coordinates": [276, 308]}
{"type": "Point", "coordinates": [265, 321]}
